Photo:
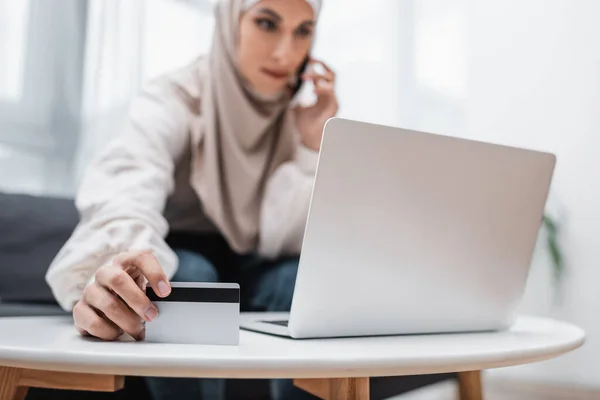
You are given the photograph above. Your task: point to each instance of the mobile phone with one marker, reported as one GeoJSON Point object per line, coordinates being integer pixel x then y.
{"type": "Point", "coordinates": [296, 88]}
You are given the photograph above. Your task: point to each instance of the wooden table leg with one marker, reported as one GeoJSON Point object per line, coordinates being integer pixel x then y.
{"type": "Point", "coordinates": [336, 388]}
{"type": "Point", "coordinates": [14, 382]}
{"type": "Point", "coordinates": [21, 393]}
{"type": "Point", "coordinates": [469, 384]}
{"type": "Point", "coordinates": [9, 383]}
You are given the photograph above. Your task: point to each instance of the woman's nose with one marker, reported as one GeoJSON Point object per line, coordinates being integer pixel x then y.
{"type": "Point", "coordinates": [283, 51]}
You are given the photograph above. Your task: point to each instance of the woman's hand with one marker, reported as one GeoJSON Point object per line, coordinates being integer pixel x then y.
{"type": "Point", "coordinates": [116, 302]}
{"type": "Point", "coordinates": [311, 120]}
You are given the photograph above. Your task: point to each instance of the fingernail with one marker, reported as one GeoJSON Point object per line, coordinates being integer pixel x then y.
{"type": "Point", "coordinates": [151, 313]}
{"type": "Point", "coordinates": [163, 288]}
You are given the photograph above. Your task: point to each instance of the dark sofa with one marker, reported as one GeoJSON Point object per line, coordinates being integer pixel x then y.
{"type": "Point", "coordinates": [32, 231]}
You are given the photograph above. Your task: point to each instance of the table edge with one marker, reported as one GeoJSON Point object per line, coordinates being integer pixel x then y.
{"type": "Point", "coordinates": [281, 369]}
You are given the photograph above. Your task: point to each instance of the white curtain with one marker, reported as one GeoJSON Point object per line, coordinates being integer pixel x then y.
{"type": "Point", "coordinates": [68, 70]}
{"type": "Point", "coordinates": [14, 17]}
{"type": "Point", "coordinates": [113, 54]}
{"type": "Point", "coordinates": [128, 43]}
{"type": "Point", "coordinates": [41, 49]}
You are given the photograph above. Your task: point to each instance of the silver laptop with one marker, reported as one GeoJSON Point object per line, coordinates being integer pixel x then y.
{"type": "Point", "coordinates": [411, 232]}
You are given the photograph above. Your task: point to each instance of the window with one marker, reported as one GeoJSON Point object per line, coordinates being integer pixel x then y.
{"type": "Point", "coordinates": [164, 48]}
{"type": "Point", "coordinates": [68, 72]}
{"type": "Point", "coordinates": [14, 19]}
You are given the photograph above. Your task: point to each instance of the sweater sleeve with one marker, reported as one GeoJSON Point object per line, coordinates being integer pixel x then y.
{"type": "Point", "coordinates": [285, 205]}
{"type": "Point", "coordinates": [123, 193]}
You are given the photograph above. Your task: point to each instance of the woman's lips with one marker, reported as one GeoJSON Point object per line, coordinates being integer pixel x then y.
{"type": "Point", "coordinates": [278, 75]}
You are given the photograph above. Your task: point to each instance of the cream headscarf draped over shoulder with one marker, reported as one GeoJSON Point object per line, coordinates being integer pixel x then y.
{"type": "Point", "coordinates": [240, 138]}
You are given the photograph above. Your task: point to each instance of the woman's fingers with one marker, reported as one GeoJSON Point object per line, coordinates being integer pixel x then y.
{"type": "Point", "coordinates": [148, 265]}
{"type": "Point", "coordinates": [82, 332]}
{"type": "Point", "coordinates": [324, 88]}
{"type": "Point", "coordinates": [115, 302]}
{"type": "Point", "coordinates": [318, 77]}
{"type": "Point", "coordinates": [87, 320]}
{"type": "Point", "coordinates": [123, 285]}
{"type": "Point", "coordinates": [328, 71]}
{"type": "Point", "coordinates": [325, 91]}
{"type": "Point", "coordinates": [114, 310]}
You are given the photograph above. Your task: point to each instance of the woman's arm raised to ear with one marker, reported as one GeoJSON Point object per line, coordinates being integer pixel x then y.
{"type": "Point", "coordinates": [285, 205]}
{"type": "Point", "coordinates": [287, 198]}
{"type": "Point", "coordinates": [123, 194]}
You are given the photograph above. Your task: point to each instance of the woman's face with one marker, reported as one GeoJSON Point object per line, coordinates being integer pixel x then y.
{"type": "Point", "coordinates": [274, 39]}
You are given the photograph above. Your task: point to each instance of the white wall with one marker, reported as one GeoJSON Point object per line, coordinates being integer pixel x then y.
{"type": "Point", "coordinates": [534, 80]}
{"type": "Point", "coordinates": [433, 72]}
{"type": "Point", "coordinates": [360, 43]}
{"type": "Point", "coordinates": [525, 73]}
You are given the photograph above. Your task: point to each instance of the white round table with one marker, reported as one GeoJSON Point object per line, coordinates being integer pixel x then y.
{"type": "Point", "coordinates": [38, 348]}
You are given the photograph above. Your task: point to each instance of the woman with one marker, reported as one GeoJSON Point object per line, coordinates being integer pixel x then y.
{"type": "Point", "coordinates": [210, 182]}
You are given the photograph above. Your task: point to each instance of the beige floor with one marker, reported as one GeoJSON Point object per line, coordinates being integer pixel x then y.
{"type": "Point", "coordinates": [504, 391]}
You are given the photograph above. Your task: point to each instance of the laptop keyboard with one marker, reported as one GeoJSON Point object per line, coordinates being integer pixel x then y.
{"type": "Point", "coordinates": [280, 323]}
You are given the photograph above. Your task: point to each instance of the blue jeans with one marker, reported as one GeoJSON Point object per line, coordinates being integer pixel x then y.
{"type": "Point", "coordinates": [264, 286]}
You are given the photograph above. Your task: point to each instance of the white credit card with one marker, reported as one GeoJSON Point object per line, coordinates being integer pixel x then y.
{"type": "Point", "coordinates": [196, 313]}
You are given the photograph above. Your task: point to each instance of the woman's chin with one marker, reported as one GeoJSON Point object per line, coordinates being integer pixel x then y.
{"type": "Point", "coordinates": [269, 92]}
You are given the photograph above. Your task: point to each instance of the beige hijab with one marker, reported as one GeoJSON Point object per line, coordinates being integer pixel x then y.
{"type": "Point", "coordinates": [241, 138]}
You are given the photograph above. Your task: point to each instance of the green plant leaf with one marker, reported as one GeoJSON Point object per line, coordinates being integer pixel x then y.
{"type": "Point", "coordinates": [554, 249]}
